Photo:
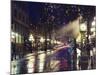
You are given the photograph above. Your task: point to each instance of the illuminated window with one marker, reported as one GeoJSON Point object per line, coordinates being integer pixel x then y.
{"type": "Point", "coordinates": [17, 37]}
{"type": "Point", "coordinates": [12, 37]}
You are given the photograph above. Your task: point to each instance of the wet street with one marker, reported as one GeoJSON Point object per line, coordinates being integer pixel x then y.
{"type": "Point", "coordinates": [50, 61]}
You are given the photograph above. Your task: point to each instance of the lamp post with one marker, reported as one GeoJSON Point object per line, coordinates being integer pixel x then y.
{"type": "Point", "coordinates": [31, 39]}
{"type": "Point", "coordinates": [83, 29]}
{"type": "Point", "coordinates": [84, 55]}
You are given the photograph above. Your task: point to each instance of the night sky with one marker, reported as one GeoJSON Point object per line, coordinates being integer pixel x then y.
{"type": "Point", "coordinates": [62, 13]}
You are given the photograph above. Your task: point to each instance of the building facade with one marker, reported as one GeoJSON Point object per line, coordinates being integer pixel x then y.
{"type": "Point", "coordinates": [19, 30]}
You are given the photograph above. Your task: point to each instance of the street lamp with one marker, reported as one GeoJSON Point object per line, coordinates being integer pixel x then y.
{"type": "Point", "coordinates": [12, 35]}
{"type": "Point", "coordinates": [52, 42]}
{"type": "Point", "coordinates": [55, 41]}
{"type": "Point", "coordinates": [93, 29]}
{"type": "Point", "coordinates": [31, 38]}
{"type": "Point", "coordinates": [48, 39]}
{"type": "Point", "coordinates": [42, 40]}
{"type": "Point", "coordinates": [93, 23]}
